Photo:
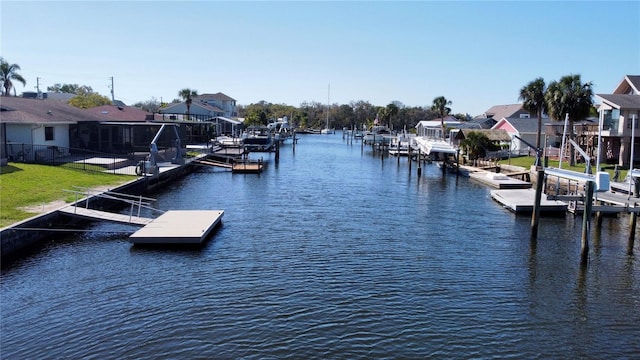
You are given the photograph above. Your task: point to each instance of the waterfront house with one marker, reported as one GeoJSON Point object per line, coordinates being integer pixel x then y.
{"type": "Point", "coordinates": [37, 129]}
{"type": "Point", "coordinates": [116, 129]}
{"type": "Point", "coordinates": [616, 111]}
{"type": "Point", "coordinates": [216, 109]}
{"type": "Point", "coordinates": [525, 128]}
{"type": "Point", "coordinates": [433, 128]}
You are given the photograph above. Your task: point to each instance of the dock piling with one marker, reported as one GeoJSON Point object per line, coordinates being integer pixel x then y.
{"type": "Point", "coordinates": [535, 215]}
{"type": "Point", "coordinates": [586, 222]}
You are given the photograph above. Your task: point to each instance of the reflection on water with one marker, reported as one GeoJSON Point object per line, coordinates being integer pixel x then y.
{"type": "Point", "coordinates": [334, 252]}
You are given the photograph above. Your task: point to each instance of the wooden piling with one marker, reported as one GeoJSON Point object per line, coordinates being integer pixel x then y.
{"type": "Point", "coordinates": [419, 163]}
{"type": "Point", "coordinates": [632, 231]}
{"type": "Point", "coordinates": [535, 215]}
{"type": "Point", "coordinates": [586, 221]}
{"type": "Point", "coordinates": [277, 150]}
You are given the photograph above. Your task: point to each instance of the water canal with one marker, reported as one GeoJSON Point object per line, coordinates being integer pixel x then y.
{"type": "Point", "coordinates": [334, 252]}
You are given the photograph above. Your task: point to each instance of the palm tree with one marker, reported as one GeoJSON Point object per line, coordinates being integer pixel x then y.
{"type": "Point", "coordinates": [187, 95]}
{"type": "Point", "coordinates": [569, 96]}
{"type": "Point", "coordinates": [532, 96]}
{"type": "Point", "coordinates": [475, 145]}
{"type": "Point", "coordinates": [8, 72]}
{"type": "Point", "coordinates": [392, 111]}
{"type": "Point", "coordinates": [441, 107]}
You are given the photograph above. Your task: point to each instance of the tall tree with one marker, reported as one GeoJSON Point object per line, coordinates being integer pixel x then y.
{"type": "Point", "coordinates": [441, 107]}
{"type": "Point", "coordinates": [8, 74]}
{"type": "Point", "coordinates": [532, 96]}
{"type": "Point", "coordinates": [187, 95]}
{"type": "Point", "coordinates": [569, 96]}
{"type": "Point", "coordinates": [87, 101]}
{"type": "Point", "coordinates": [70, 89]}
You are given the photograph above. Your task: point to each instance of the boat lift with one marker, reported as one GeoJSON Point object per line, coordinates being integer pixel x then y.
{"type": "Point", "coordinates": [150, 165]}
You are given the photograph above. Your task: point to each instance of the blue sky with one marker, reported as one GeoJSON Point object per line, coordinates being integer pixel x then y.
{"type": "Point", "coordinates": [477, 54]}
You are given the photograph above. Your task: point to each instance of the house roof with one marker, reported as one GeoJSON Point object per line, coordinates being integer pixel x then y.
{"type": "Point", "coordinates": [522, 125]}
{"type": "Point", "coordinates": [491, 134]}
{"type": "Point", "coordinates": [35, 111]}
{"type": "Point", "coordinates": [621, 101]}
{"type": "Point", "coordinates": [229, 120]}
{"type": "Point", "coordinates": [122, 113]}
{"type": "Point", "coordinates": [503, 111]}
{"type": "Point", "coordinates": [217, 96]}
{"type": "Point", "coordinates": [181, 108]}
{"type": "Point", "coordinates": [484, 123]}
{"type": "Point", "coordinates": [436, 123]}
{"type": "Point", "coordinates": [630, 84]}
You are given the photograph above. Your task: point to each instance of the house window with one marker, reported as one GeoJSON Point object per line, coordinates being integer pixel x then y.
{"type": "Point", "coordinates": [48, 133]}
{"type": "Point", "coordinates": [630, 119]}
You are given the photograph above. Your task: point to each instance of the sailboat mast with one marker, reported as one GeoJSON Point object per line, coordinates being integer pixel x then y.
{"type": "Point", "coordinates": [328, 102]}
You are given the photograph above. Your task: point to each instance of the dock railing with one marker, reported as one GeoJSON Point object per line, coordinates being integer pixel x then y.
{"type": "Point", "coordinates": [138, 202]}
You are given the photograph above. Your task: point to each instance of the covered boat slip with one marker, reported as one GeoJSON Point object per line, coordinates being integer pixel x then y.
{"type": "Point", "coordinates": [428, 145]}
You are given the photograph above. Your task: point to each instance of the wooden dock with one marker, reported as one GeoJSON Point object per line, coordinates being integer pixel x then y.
{"type": "Point", "coordinates": [179, 227]}
{"type": "Point", "coordinates": [521, 201]}
{"type": "Point", "coordinates": [248, 166]}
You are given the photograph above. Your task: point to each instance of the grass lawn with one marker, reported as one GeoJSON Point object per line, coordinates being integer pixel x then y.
{"type": "Point", "coordinates": [24, 185]}
{"type": "Point", "coordinates": [527, 161]}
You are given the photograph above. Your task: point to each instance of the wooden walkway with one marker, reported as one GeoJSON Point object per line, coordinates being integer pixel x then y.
{"type": "Point", "coordinates": [104, 215]}
{"type": "Point", "coordinates": [213, 163]}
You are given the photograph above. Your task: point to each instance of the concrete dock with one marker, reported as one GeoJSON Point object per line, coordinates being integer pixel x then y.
{"type": "Point", "coordinates": [521, 201]}
{"type": "Point", "coordinates": [179, 227]}
{"type": "Point", "coordinates": [499, 181]}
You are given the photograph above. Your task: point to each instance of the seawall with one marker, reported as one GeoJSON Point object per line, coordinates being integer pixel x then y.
{"type": "Point", "coordinates": [40, 229]}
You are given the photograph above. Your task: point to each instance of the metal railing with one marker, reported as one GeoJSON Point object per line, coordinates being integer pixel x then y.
{"type": "Point", "coordinates": [74, 158]}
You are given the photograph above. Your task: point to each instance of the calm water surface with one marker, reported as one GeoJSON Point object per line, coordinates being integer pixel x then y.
{"type": "Point", "coordinates": [334, 252]}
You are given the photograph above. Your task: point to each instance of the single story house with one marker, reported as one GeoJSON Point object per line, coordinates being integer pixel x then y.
{"type": "Point", "coordinates": [36, 128]}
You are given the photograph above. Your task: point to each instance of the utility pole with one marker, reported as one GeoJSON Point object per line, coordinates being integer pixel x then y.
{"type": "Point", "coordinates": [113, 98]}
{"type": "Point", "coordinates": [38, 88]}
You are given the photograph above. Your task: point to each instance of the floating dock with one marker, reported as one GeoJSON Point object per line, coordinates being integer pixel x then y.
{"type": "Point", "coordinates": [248, 167]}
{"type": "Point", "coordinates": [179, 227]}
{"type": "Point", "coordinates": [521, 201]}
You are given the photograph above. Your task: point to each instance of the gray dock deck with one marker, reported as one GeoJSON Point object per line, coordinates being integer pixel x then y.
{"type": "Point", "coordinates": [179, 227]}
{"type": "Point", "coordinates": [499, 181]}
{"type": "Point", "coordinates": [521, 201]}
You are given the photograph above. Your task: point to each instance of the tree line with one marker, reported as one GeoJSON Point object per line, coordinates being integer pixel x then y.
{"type": "Point", "coordinates": [568, 97]}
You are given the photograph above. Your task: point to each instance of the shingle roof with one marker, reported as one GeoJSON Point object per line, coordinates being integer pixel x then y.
{"type": "Point", "coordinates": [524, 125]}
{"type": "Point", "coordinates": [621, 100]}
{"type": "Point", "coordinates": [218, 96]}
{"type": "Point", "coordinates": [503, 111]}
{"type": "Point", "coordinates": [491, 134]}
{"type": "Point", "coordinates": [121, 113]}
{"type": "Point", "coordinates": [634, 80]}
{"type": "Point", "coordinates": [35, 111]}
{"type": "Point", "coordinates": [484, 123]}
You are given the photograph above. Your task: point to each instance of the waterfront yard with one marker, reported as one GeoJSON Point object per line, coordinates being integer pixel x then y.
{"type": "Point", "coordinates": [527, 161]}
{"type": "Point", "coordinates": [27, 189]}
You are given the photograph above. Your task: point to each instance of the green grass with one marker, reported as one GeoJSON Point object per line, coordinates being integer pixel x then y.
{"type": "Point", "coordinates": [23, 185]}
{"type": "Point", "coordinates": [527, 161]}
